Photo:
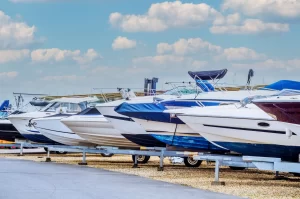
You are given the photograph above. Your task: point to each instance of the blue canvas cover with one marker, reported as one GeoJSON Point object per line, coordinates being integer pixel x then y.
{"type": "Point", "coordinates": [4, 105]}
{"type": "Point", "coordinates": [147, 111]}
{"type": "Point", "coordinates": [283, 84]}
{"type": "Point", "coordinates": [208, 75]}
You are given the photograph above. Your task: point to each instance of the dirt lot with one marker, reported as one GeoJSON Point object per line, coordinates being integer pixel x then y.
{"type": "Point", "coordinates": [250, 183]}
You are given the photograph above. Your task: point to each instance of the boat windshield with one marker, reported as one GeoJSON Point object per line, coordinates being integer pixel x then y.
{"type": "Point", "coordinates": [67, 106]}
{"type": "Point", "coordinates": [181, 90]}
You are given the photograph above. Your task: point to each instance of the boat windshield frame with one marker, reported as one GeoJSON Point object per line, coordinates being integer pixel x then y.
{"type": "Point", "coordinates": [69, 107]}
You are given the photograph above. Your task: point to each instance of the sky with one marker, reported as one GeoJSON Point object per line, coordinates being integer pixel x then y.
{"type": "Point", "coordinates": [62, 47]}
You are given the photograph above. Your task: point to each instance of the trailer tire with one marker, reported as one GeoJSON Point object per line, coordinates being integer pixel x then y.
{"type": "Point", "coordinates": [142, 159]}
{"type": "Point", "coordinates": [237, 168]}
{"type": "Point", "coordinates": [107, 155]}
{"type": "Point", "coordinates": [61, 152]}
{"type": "Point", "coordinates": [296, 174]}
{"type": "Point", "coordinates": [190, 162]}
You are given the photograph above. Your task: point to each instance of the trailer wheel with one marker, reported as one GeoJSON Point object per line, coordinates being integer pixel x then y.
{"type": "Point", "coordinates": [61, 152]}
{"type": "Point", "coordinates": [107, 154]}
{"type": "Point", "coordinates": [237, 168]}
{"type": "Point", "coordinates": [190, 162]}
{"type": "Point", "coordinates": [296, 174]}
{"type": "Point", "coordinates": [142, 159]}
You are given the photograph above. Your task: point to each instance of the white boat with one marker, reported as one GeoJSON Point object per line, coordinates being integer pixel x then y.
{"type": "Point", "coordinates": [247, 130]}
{"type": "Point", "coordinates": [99, 130]}
{"type": "Point", "coordinates": [50, 130]}
{"type": "Point", "coordinates": [96, 129]}
{"type": "Point", "coordinates": [159, 128]}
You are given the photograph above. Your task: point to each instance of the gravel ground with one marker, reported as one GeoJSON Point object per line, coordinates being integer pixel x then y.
{"type": "Point", "coordinates": [250, 183]}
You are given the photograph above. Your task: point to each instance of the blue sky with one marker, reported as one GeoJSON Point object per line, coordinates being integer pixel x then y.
{"type": "Point", "coordinates": [71, 46]}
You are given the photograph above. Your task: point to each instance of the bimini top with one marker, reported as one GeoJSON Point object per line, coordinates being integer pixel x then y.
{"type": "Point", "coordinates": [283, 84]}
{"type": "Point", "coordinates": [4, 105]}
{"type": "Point", "coordinates": [208, 75]}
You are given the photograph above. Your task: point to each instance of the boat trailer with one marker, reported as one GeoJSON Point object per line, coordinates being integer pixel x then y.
{"type": "Point", "coordinates": [235, 162]}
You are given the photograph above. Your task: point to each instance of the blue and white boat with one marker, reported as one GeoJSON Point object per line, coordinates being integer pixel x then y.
{"type": "Point", "coordinates": [160, 128]}
{"type": "Point", "coordinates": [247, 129]}
{"type": "Point", "coordinates": [163, 128]}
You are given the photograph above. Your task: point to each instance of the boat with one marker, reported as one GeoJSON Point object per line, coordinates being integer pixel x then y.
{"type": "Point", "coordinates": [162, 129]}
{"type": "Point", "coordinates": [98, 129]}
{"type": "Point", "coordinates": [126, 125]}
{"type": "Point", "coordinates": [28, 128]}
{"type": "Point", "coordinates": [246, 129]}
{"type": "Point", "coordinates": [95, 128]}
{"type": "Point", "coordinates": [7, 131]}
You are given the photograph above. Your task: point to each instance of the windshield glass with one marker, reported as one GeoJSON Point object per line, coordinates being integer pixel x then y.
{"type": "Point", "coordinates": [3, 115]}
{"type": "Point", "coordinates": [181, 91]}
{"type": "Point", "coordinates": [65, 106]}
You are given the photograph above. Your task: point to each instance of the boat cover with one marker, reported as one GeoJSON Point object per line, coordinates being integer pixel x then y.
{"type": "Point", "coordinates": [283, 84]}
{"type": "Point", "coordinates": [4, 105]}
{"type": "Point", "coordinates": [208, 75]}
{"type": "Point", "coordinates": [147, 111]}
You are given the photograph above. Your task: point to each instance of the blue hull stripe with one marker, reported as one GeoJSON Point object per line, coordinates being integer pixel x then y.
{"type": "Point", "coordinates": [286, 153]}
{"type": "Point", "coordinates": [39, 138]}
{"type": "Point", "coordinates": [188, 142]}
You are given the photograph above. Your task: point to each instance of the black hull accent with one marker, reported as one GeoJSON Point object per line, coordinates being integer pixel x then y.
{"type": "Point", "coordinates": [144, 140]}
{"type": "Point", "coordinates": [9, 133]}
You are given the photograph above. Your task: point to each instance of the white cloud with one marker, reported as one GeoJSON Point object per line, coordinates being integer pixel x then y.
{"type": "Point", "coordinates": [171, 62]}
{"type": "Point", "coordinates": [250, 26]}
{"type": "Point", "coordinates": [159, 59]}
{"type": "Point", "coordinates": [53, 54]}
{"type": "Point", "coordinates": [15, 34]}
{"type": "Point", "coordinates": [242, 53]}
{"type": "Point", "coordinates": [13, 55]}
{"type": "Point", "coordinates": [10, 74]}
{"type": "Point", "coordinates": [199, 64]}
{"type": "Point", "coordinates": [165, 15]}
{"type": "Point", "coordinates": [187, 46]}
{"type": "Point", "coordinates": [282, 8]}
{"type": "Point", "coordinates": [57, 55]}
{"type": "Point", "coordinates": [63, 77]}
{"type": "Point", "coordinates": [229, 20]}
{"type": "Point", "coordinates": [123, 43]}
{"type": "Point", "coordinates": [88, 57]}
{"type": "Point", "coordinates": [273, 64]}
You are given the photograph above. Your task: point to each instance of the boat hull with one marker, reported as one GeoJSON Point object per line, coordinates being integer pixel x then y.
{"type": "Point", "coordinates": [8, 132]}
{"type": "Point", "coordinates": [146, 140]}
{"type": "Point", "coordinates": [27, 130]}
{"type": "Point", "coordinates": [54, 129]}
{"type": "Point", "coordinates": [97, 130]}
{"type": "Point", "coordinates": [243, 135]}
